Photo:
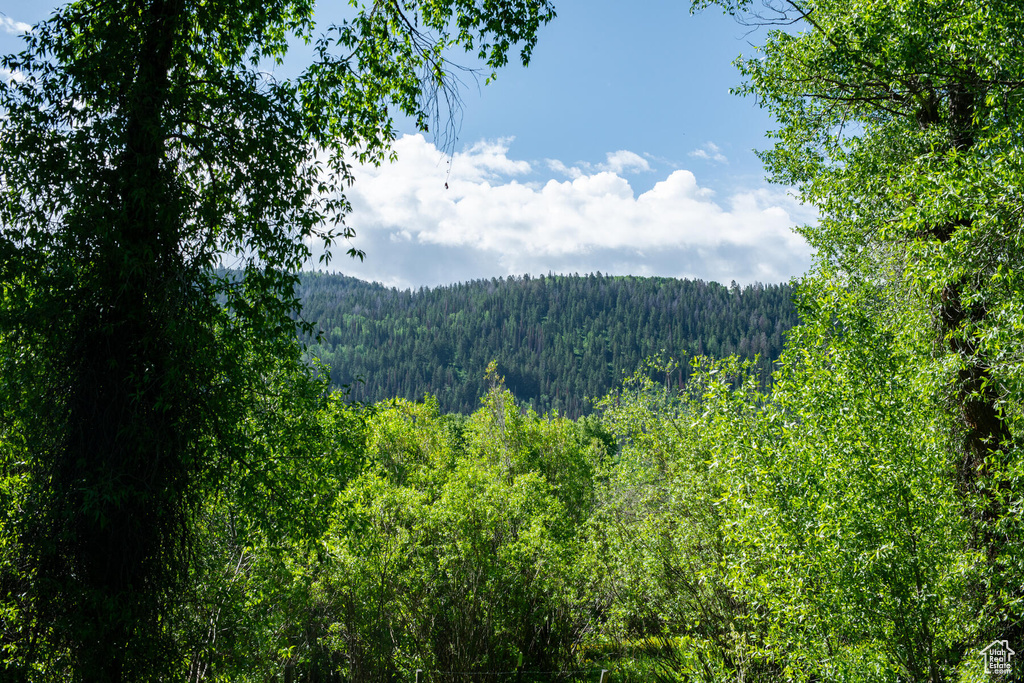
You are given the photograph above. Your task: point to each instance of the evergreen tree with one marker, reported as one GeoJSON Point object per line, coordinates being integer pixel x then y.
{"type": "Point", "coordinates": [558, 340]}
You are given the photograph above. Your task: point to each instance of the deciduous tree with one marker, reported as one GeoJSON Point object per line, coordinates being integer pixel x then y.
{"type": "Point", "coordinates": [902, 123]}
{"type": "Point", "coordinates": [145, 143]}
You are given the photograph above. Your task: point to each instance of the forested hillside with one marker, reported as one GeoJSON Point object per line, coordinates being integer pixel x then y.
{"type": "Point", "coordinates": [558, 340]}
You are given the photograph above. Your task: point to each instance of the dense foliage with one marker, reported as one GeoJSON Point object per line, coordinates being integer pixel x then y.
{"type": "Point", "coordinates": [455, 547]}
{"type": "Point", "coordinates": [182, 498]}
{"type": "Point", "coordinates": [143, 143]}
{"type": "Point", "coordinates": [558, 340]}
{"type": "Point", "coordinates": [902, 122]}
{"type": "Point", "coordinates": [712, 534]}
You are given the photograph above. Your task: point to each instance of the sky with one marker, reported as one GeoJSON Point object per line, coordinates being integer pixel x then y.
{"type": "Point", "coordinates": [620, 149]}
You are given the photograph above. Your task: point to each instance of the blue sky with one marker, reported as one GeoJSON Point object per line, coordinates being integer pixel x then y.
{"type": "Point", "coordinates": [620, 149]}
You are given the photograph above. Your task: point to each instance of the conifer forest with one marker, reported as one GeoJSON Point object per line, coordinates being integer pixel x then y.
{"type": "Point", "coordinates": [559, 341]}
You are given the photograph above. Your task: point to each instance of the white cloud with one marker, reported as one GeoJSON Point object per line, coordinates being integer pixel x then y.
{"type": "Point", "coordinates": [485, 160]}
{"type": "Point", "coordinates": [8, 75]}
{"type": "Point", "coordinates": [619, 162]}
{"type": "Point", "coordinates": [495, 218]}
{"type": "Point", "coordinates": [625, 161]}
{"type": "Point", "coordinates": [709, 151]}
{"type": "Point", "coordinates": [14, 27]}
{"type": "Point", "coordinates": [559, 167]}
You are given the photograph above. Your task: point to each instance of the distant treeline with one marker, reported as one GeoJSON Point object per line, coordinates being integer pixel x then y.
{"type": "Point", "coordinates": [558, 340]}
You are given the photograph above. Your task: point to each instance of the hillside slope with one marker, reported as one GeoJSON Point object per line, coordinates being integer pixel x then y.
{"type": "Point", "coordinates": [558, 339]}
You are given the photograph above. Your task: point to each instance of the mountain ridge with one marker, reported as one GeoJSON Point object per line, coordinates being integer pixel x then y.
{"type": "Point", "coordinates": [557, 339]}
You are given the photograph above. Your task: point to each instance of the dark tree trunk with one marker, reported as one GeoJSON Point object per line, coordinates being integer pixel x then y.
{"type": "Point", "coordinates": [113, 530]}
{"type": "Point", "coordinates": [986, 444]}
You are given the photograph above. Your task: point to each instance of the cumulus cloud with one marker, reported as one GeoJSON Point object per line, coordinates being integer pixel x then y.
{"type": "Point", "coordinates": [14, 27]}
{"type": "Point", "coordinates": [625, 161]}
{"type": "Point", "coordinates": [709, 151]}
{"type": "Point", "coordinates": [8, 75]}
{"type": "Point", "coordinates": [560, 167]}
{"type": "Point", "coordinates": [620, 162]}
{"type": "Point", "coordinates": [501, 216]}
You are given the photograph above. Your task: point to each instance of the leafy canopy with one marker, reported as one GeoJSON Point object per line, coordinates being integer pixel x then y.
{"type": "Point", "coordinates": [902, 123]}
{"type": "Point", "coordinates": [143, 145]}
